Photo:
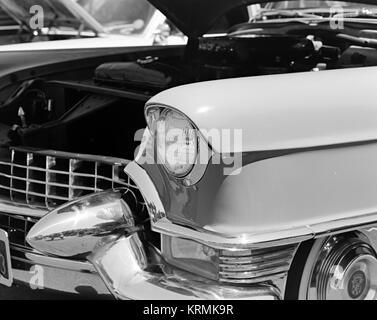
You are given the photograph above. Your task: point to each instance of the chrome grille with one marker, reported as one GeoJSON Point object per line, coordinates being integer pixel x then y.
{"type": "Point", "coordinates": [17, 228]}
{"type": "Point", "coordinates": [250, 266]}
{"type": "Point", "coordinates": [47, 179]}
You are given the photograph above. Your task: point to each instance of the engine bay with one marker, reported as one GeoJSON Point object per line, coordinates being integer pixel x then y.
{"type": "Point", "coordinates": [101, 114]}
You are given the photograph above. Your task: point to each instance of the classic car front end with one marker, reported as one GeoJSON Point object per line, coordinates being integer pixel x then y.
{"type": "Point", "coordinates": [240, 166]}
{"type": "Point", "coordinates": [299, 212]}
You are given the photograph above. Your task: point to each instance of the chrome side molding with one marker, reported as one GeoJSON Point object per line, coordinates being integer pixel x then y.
{"type": "Point", "coordinates": [75, 229]}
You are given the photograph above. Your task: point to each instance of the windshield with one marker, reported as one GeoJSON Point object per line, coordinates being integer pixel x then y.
{"type": "Point", "coordinates": [120, 16]}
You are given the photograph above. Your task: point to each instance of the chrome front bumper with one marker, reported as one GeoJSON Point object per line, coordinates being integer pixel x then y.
{"type": "Point", "coordinates": [156, 282]}
{"type": "Point", "coordinates": [38, 272]}
{"type": "Point", "coordinates": [134, 271]}
{"type": "Point", "coordinates": [125, 268]}
{"type": "Point", "coordinates": [120, 273]}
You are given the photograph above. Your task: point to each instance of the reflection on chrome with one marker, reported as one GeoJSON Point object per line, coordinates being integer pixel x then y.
{"type": "Point", "coordinates": [132, 270]}
{"type": "Point", "coordinates": [345, 270]}
{"type": "Point", "coordinates": [77, 228]}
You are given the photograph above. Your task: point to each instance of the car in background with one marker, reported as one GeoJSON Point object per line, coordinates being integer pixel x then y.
{"type": "Point", "coordinates": [69, 25]}
{"type": "Point", "coordinates": [133, 17]}
{"type": "Point", "coordinates": [58, 20]}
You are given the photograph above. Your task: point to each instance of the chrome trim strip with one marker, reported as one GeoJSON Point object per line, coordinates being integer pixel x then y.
{"type": "Point", "coordinates": [274, 278]}
{"type": "Point", "coordinates": [79, 266]}
{"type": "Point", "coordinates": [252, 275]}
{"type": "Point", "coordinates": [29, 193]}
{"type": "Point", "coordinates": [268, 238]}
{"type": "Point", "coordinates": [19, 209]}
{"type": "Point", "coordinates": [341, 225]}
{"type": "Point", "coordinates": [10, 28]}
{"type": "Point", "coordinates": [256, 258]}
{"type": "Point", "coordinates": [34, 257]}
{"type": "Point", "coordinates": [242, 241]}
{"type": "Point", "coordinates": [68, 156]}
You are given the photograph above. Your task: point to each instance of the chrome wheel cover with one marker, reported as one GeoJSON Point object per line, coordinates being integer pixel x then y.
{"type": "Point", "coordinates": [341, 267]}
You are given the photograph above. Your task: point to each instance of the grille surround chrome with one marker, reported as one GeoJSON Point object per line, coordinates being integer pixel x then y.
{"type": "Point", "coordinates": [45, 179]}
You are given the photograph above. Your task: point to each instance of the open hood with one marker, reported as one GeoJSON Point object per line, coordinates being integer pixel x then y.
{"type": "Point", "coordinates": [57, 13]}
{"type": "Point", "coordinates": [196, 17]}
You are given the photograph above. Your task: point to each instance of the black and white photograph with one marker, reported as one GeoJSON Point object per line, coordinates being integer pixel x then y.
{"type": "Point", "coordinates": [210, 152]}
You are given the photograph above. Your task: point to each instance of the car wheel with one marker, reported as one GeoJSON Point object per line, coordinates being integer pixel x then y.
{"type": "Point", "coordinates": [341, 267]}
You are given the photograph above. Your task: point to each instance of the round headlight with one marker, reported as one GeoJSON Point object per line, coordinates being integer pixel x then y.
{"type": "Point", "coordinates": [176, 140]}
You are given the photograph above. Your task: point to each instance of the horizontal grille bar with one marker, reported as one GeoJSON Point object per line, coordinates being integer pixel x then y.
{"type": "Point", "coordinates": [250, 266]}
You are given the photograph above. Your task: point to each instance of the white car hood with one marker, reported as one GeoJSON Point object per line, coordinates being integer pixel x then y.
{"type": "Point", "coordinates": [277, 112]}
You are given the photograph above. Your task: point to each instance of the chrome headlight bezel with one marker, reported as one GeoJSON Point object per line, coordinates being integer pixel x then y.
{"type": "Point", "coordinates": [195, 172]}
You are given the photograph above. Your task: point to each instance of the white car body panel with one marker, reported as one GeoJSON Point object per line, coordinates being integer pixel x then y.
{"type": "Point", "coordinates": [297, 191]}
{"type": "Point", "coordinates": [272, 118]}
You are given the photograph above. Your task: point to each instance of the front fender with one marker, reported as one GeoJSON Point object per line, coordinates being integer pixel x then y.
{"type": "Point", "coordinates": [304, 193]}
